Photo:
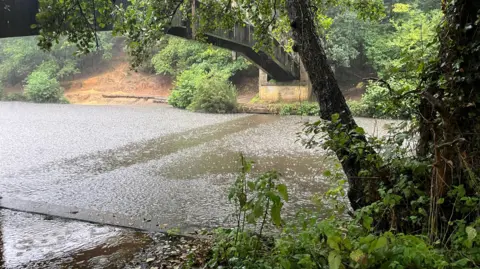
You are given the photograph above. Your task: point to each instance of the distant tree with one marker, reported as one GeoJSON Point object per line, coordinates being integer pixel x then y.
{"type": "Point", "coordinates": [177, 55]}
{"type": "Point", "coordinates": [19, 57]}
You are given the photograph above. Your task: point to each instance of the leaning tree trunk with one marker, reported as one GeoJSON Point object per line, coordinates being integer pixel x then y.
{"type": "Point", "coordinates": [330, 98]}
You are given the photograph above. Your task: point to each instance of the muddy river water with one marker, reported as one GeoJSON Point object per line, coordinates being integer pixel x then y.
{"type": "Point", "coordinates": [143, 167]}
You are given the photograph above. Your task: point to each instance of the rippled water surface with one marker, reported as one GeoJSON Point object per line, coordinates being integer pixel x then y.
{"type": "Point", "coordinates": [142, 167]}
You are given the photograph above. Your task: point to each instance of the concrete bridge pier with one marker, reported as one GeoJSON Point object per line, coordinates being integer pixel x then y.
{"type": "Point", "coordinates": [271, 90]}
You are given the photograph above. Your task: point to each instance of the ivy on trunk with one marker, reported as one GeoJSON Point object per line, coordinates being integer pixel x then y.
{"type": "Point", "coordinates": [331, 100]}
{"type": "Point", "coordinates": [451, 109]}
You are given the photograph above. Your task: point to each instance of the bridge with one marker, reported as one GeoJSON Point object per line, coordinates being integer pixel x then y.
{"type": "Point", "coordinates": [16, 17]}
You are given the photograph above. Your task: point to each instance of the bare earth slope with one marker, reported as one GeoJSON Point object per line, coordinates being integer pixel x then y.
{"type": "Point", "coordinates": [116, 80]}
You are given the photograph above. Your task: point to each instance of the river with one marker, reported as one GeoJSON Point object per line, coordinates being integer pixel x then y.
{"type": "Point", "coordinates": [151, 167]}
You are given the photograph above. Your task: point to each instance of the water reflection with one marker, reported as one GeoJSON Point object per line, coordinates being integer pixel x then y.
{"type": "Point", "coordinates": [27, 238]}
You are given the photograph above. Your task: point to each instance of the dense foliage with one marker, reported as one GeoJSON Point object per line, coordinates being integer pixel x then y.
{"type": "Point", "coordinates": [214, 95]}
{"type": "Point", "coordinates": [186, 85]}
{"type": "Point", "coordinates": [399, 50]}
{"type": "Point", "coordinates": [345, 38]}
{"type": "Point", "coordinates": [301, 109]}
{"type": "Point", "coordinates": [177, 55]}
{"type": "Point", "coordinates": [21, 58]}
{"type": "Point", "coordinates": [331, 236]}
{"type": "Point", "coordinates": [202, 74]}
{"type": "Point", "coordinates": [380, 102]}
{"type": "Point", "coordinates": [42, 86]}
{"type": "Point", "coordinates": [197, 90]}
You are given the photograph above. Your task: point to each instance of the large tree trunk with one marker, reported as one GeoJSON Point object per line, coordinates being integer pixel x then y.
{"type": "Point", "coordinates": [329, 97]}
{"type": "Point", "coordinates": [453, 126]}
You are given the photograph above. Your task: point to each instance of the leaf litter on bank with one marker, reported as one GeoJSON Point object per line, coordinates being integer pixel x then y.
{"type": "Point", "coordinates": [174, 251]}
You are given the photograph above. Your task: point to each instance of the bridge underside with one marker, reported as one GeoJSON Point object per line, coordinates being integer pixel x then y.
{"type": "Point", "coordinates": [260, 58]}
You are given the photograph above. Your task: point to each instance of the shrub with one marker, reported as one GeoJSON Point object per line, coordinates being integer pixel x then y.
{"type": "Point", "coordinates": [214, 95]}
{"type": "Point", "coordinates": [380, 102]}
{"type": "Point", "coordinates": [287, 109]}
{"type": "Point", "coordinates": [325, 236]}
{"type": "Point", "coordinates": [41, 88]}
{"type": "Point", "coordinates": [374, 101]}
{"type": "Point", "coordinates": [1, 91]}
{"type": "Point", "coordinates": [301, 109]}
{"type": "Point", "coordinates": [51, 68]}
{"type": "Point", "coordinates": [197, 90]}
{"type": "Point", "coordinates": [308, 109]}
{"type": "Point", "coordinates": [63, 100]}
{"type": "Point", "coordinates": [14, 97]}
{"type": "Point", "coordinates": [186, 85]}
{"type": "Point", "coordinates": [358, 108]}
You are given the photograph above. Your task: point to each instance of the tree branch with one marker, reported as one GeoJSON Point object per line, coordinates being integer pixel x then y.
{"type": "Point", "coordinates": [66, 12]}
{"type": "Point", "coordinates": [382, 81]}
{"type": "Point", "coordinates": [390, 89]}
{"type": "Point", "coordinates": [86, 20]}
{"type": "Point", "coordinates": [174, 11]}
{"type": "Point", "coordinates": [228, 6]}
{"type": "Point", "coordinates": [436, 103]}
{"type": "Point", "coordinates": [274, 13]}
{"type": "Point", "coordinates": [451, 143]}
{"type": "Point", "coordinates": [95, 23]}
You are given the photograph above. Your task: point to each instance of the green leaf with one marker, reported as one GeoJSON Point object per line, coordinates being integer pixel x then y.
{"type": "Point", "coordinates": [356, 255]}
{"type": "Point", "coordinates": [275, 214]}
{"type": "Point", "coordinates": [335, 117]}
{"type": "Point", "coordinates": [258, 210]}
{"type": "Point", "coordinates": [334, 260]}
{"type": "Point", "coordinates": [282, 189]}
{"type": "Point", "coordinates": [273, 197]}
{"type": "Point", "coordinates": [420, 67]}
{"type": "Point", "coordinates": [251, 218]}
{"type": "Point", "coordinates": [440, 201]}
{"type": "Point", "coordinates": [251, 185]}
{"type": "Point", "coordinates": [461, 263]}
{"type": "Point", "coordinates": [367, 222]}
{"type": "Point", "coordinates": [306, 261]}
{"type": "Point", "coordinates": [471, 233]}
{"type": "Point", "coordinates": [360, 130]}
{"type": "Point", "coordinates": [332, 242]}
{"type": "Point", "coordinates": [381, 242]}
{"type": "Point", "coordinates": [242, 199]}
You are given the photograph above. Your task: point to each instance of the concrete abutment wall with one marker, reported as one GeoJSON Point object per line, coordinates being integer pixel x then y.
{"type": "Point", "coordinates": [294, 91]}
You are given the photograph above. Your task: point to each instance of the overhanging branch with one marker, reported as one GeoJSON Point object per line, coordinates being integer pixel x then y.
{"type": "Point", "coordinates": [437, 104]}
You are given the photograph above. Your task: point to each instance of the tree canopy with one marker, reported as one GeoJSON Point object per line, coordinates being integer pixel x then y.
{"type": "Point", "coordinates": [143, 22]}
